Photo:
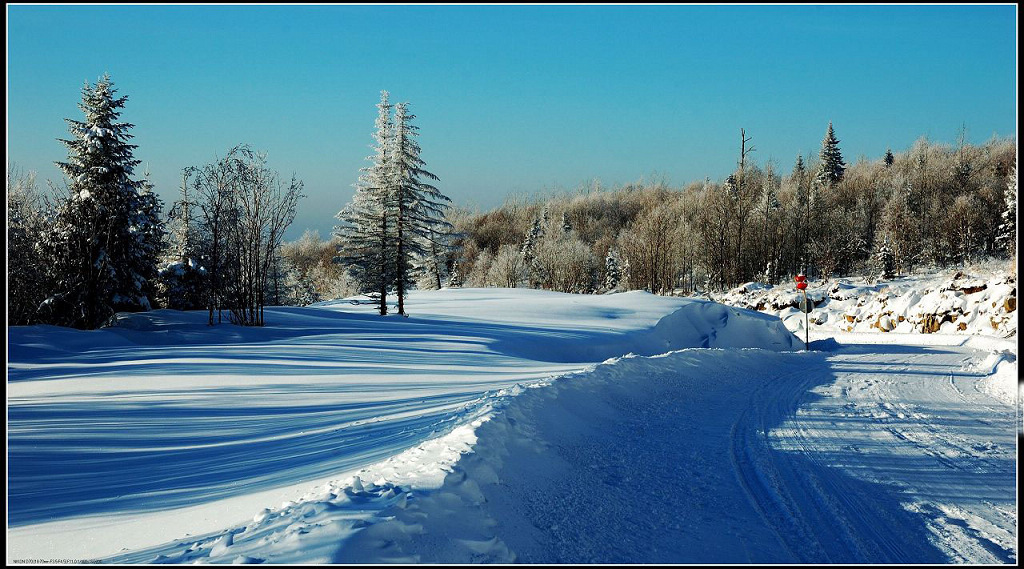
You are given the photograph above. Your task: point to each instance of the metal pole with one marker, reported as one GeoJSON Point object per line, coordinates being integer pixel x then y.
{"type": "Point", "coordinates": [806, 330]}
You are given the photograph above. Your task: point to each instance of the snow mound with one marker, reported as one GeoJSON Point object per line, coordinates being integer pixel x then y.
{"type": "Point", "coordinates": [557, 327]}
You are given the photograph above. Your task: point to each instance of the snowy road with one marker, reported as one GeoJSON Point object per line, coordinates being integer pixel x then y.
{"type": "Point", "coordinates": [874, 454]}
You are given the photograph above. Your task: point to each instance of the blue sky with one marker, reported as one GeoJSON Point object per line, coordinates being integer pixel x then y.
{"type": "Point", "coordinates": [511, 100]}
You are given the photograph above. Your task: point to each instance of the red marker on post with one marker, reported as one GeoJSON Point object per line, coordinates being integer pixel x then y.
{"type": "Point", "coordinates": [801, 285]}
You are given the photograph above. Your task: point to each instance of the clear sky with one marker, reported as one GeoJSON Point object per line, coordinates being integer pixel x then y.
{"type": "Point", "coordinates": [511, 100]}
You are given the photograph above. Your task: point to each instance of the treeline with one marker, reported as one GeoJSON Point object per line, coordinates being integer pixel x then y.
{"type": "Point", "coordinates": [99, 244]}
{"type": "Point", "coordinates": [932, 204]}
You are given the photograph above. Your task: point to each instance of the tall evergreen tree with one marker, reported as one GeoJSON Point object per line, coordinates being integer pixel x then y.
{"type": "Point", "coordinates": [832, 166]}
{"type": "Point", "coordinates": [149, 232]}
{"type": "Point", "coordinates": [418, 206]}
{"type": "Point", "coordinates": [529, 252]}
{"type": "Point", "coordinates": [106, 235]}
{"type": "Point", "coordinates": [889, 158]}
{"type": "Point", "coordinates": [368, 231]}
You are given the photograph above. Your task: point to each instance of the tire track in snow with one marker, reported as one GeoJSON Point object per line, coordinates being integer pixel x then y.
{"type": "Point", "coordinates": [816, 514]}
{"type": "Point", "coordinates": [946, 456]}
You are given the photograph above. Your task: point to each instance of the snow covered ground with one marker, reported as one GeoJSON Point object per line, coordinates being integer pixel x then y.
{"type": "Point", "coordinates": [508, 425]}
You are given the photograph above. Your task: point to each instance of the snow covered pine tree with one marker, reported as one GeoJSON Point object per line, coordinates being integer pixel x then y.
{"type": "Point", "coordinates": [106, 235]}
{"type": "Point", "coordinates": [419, 206]}
{"type": "Point", "coordinates": [367, 240]}
{"type": "Point", "coordinates": [395, 218]}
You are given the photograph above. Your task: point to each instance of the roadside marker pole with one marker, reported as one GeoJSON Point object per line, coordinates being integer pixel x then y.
{"type": "Point", "coordinates": [806, 324]}
{"type": "Point", "coordinates": [801, 285]}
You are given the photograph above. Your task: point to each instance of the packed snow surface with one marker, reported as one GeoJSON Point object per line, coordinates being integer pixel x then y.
{"type": "Point", "coordinates": [508, 426]}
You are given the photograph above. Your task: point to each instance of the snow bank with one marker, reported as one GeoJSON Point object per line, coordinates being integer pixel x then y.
{"type": "Point", "coordinates": [556, 327]}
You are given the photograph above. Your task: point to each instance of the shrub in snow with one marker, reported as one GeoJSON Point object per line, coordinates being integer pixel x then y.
{"type": "Point", "coordinates": [477, 276]}
{"type": "Point", "coordinates": [566, 264]}
{"type": "Point", "coordinates": [181, 285]}
{"type": "Point", "coordinates": [885, 260]}
{"type": "Point", "coordinates": [507, 269]}
{"type": "Point", "coordinates": [301, 288]}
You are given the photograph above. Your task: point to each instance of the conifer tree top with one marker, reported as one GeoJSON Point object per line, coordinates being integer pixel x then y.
{"type": "Point", "coordinates": [832, 165]}
{"type": "Point", "coordinates": [99, 154]}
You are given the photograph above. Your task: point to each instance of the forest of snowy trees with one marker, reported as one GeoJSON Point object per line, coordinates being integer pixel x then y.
{"type": "Point", "coordinates": [100, 244]}
{"type": "Point", "coordinates": [931, 205]}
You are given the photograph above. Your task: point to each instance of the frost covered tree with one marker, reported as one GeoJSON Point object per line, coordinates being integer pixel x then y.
{"type": "Point", "coordinates": [430, 266]}
{"type": "Point", "coordinates": [181, 277]}
{"type": "Point", "coordinates": [265, 206]}
{"type": "Point", "coordinates": [244, 207]}
{"type": "Point", "coordinates": [529, 253]}
{"type": "Point", "coordinates": [26, 266]}
{"type": "Point", "coordinates": [771, 238]}
{"type": "Point", "coordinates": [396, 220]}
{"type": "Point", "coordinates": [106, 231]}
{"type": "Point", "coordinates": [1008, 228]}
{"type": "Point", "coordinates": [506, 269]}
{"type": "Point", "coordinates": [832, 167]}
{"type": "Point", "coordinates": [150, 234]}
{"type": "Point", "coordinates": [367, 232]}
{"type": "Point", "coordinates": [217, 207]}
{"type": "Point", "coordinates": [455, 277]}
{"type": "Point", "coordinates": [476, 275]}
{"type": "Point", "coordinates": [309, 273]}
{"type": "Point", "coordinates": [902, 232]}
{"type": "Point", "coordinates": [418, 207]}
{"type": "Point", "coordinates": [612, 270]}
{"type": "Point", "coordinates": [801, 210]}
{"type": "Point", "coordinates": [648, 245]}
{"type": "Point", "coordinates": [885, 259]}
{"type": "Point", "coordinates": [567, 264]}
